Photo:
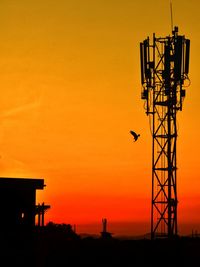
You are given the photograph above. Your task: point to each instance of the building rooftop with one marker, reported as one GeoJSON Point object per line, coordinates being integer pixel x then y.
{"type": "Point", "coordinates": [14, 183]}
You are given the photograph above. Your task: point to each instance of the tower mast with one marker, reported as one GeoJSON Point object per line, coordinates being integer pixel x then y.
{"type": "Point", "coordinates": [164, 71]}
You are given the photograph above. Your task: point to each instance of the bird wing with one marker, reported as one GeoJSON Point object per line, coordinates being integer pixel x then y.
{"type": "Point", "coordinates": [134, 134]}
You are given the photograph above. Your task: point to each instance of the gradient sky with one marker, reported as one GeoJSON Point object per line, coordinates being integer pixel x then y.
{"type": "Point", "coordinates": [70, 93]}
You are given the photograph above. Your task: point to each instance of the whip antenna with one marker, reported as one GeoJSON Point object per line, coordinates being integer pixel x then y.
{"type": "Point", "coordinates": [171, 12]}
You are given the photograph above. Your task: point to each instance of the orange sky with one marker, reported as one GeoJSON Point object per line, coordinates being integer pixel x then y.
{"type": "Point", "coordinates": [70, 93]}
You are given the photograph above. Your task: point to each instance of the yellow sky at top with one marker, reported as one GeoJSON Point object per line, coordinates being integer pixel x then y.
{"type": "Point", "coordinates": [70, 93]}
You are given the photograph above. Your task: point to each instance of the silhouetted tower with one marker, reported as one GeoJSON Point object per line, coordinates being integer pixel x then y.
{"type": "Point", "coordinates": [164, 72]}
{"type": "Point", "coordinates": [104, 225]}
{"type": "Point", "coordinates": [104, 233]}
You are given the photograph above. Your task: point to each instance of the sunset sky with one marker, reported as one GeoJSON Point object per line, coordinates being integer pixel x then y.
{"type": "Point", "coordinates": [70, 94]}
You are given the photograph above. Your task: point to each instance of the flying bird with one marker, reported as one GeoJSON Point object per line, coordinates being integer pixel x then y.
{"type": "Point", "coordinates": [135, 135]}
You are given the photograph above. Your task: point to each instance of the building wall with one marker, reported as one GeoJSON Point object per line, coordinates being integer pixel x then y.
{"type": "Point", "coordinates": [17, 208]}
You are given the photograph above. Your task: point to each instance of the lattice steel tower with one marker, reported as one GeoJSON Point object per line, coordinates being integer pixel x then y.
{"type": "Point", "coordinates": [164, 76]}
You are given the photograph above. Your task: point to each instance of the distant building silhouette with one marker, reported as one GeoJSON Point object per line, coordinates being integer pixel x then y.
{"type": "Point", "coordinates": [17, 202]}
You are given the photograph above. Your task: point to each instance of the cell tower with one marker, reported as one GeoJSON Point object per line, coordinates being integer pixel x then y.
{"type": "Point", "coordinates": [164, 76]}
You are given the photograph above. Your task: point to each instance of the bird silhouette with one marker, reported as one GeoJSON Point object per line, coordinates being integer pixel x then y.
{"type": "Point", "coordinates": [135, 135]}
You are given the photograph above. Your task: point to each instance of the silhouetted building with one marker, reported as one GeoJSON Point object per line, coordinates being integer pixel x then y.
{"type": "Point", "coordinates": [17, 202]}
